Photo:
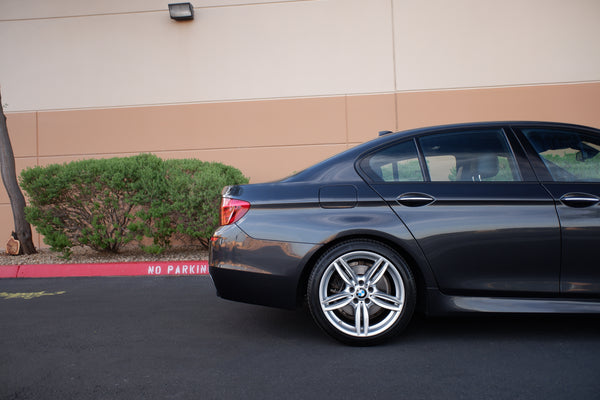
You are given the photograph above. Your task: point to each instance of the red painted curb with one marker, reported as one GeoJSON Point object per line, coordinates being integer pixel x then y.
{"type": "Point", "coordinates": [8, 271]}
{"type": "Point", "coordinates": [143, 268]}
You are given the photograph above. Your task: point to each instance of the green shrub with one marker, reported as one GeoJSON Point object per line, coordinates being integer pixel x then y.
{"type": "Point", "coordinates": [195, 193]}
{"type": "Point", "coordinates": [91, 202]}
{"type": "Point", "coordinates": [105, 204]}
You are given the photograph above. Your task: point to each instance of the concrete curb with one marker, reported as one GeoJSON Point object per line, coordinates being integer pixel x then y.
{"type": "Point", "coordinates": [142, 268]}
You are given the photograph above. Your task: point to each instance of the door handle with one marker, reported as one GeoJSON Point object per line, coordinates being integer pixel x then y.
{"type": "Point", "coordinates": [579, 200]}
{"type": "Point", "coordinates": [415, 199]}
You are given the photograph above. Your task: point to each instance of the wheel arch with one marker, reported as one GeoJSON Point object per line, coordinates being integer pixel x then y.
{"type": "Point", "coordinates": [414, 264]}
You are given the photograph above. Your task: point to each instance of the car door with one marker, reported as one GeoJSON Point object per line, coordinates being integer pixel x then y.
{"type": "Point", "coordinates": [481, 218]}
{"type": "Point", "coordinates": [568, 163]}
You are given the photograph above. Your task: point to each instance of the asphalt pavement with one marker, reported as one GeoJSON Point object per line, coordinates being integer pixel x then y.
{"type": "Point", "coordinates": [172, 338]}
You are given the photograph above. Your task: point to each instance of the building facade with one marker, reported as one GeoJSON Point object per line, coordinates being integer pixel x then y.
{"type": "Point", "coordinates": [273, 86]}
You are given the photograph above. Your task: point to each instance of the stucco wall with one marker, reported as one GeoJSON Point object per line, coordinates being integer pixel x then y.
{"type": "Point", "coordinates": [274, 86]}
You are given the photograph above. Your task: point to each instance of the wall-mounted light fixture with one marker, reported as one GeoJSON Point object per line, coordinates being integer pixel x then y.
{"type": "Point", "coordinates": [181, 11]}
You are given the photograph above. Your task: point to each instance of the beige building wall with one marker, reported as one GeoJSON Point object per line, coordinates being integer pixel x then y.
{"type": "Point", "coordinates": [261, 50]}
{"type": "Point", "coordinates": [272, 87]}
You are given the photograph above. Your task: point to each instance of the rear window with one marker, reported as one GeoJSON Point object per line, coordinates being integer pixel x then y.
{"type": "Point", "coordinates": [397, 163]}
{"type": "Point", "coordinates": [470, 156]}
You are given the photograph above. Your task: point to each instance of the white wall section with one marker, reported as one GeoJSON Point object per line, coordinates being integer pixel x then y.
{"type": "Point", "coordinates": [283, 49]}
{"type": "Point", "coordinates": [484, 43]}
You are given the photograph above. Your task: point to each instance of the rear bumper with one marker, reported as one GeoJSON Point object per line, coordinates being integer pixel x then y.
{"type": "Point", "coordinates": [256, 271]}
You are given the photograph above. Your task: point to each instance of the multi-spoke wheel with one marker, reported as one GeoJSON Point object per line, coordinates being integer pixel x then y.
{"type": "Point", "coordinates": [361, 292]}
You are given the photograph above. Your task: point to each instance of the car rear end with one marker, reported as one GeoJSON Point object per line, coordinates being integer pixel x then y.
{"type": "Point", "coordinates": [244, 268]}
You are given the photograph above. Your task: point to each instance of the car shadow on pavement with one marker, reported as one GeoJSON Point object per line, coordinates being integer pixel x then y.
{"type": "Point", "coordinates": [504, 327]}
{"type": "Point", "coordinates": [299, 324]}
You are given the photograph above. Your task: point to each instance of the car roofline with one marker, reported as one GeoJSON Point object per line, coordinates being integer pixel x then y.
{"type": "Point", "coordinates": [483, 124]}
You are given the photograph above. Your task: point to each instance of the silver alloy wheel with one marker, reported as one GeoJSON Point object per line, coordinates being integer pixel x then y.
{"type": "Point", "coordinates": [361, 294]}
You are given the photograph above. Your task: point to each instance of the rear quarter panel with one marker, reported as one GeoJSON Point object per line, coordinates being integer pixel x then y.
{"type": "Point", "coordinates": [291, 213]}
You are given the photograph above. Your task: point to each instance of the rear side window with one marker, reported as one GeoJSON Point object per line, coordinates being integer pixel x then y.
{"type": "Point", "coordinates": [471, 156]}
{"type": "Point", "coordinates": [397, 163]}
{"type": "Point", "coordinates": [568, 156]}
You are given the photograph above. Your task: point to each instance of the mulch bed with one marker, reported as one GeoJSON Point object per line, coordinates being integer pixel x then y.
{"type": "Point", "coordinates": [86, 255]}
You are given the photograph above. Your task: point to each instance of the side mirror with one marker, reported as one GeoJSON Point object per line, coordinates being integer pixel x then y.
{"type": "Point", "coordinates": [586, 154]}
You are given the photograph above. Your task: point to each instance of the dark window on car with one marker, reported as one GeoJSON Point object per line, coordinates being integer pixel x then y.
{"type": "Point", "coordinates": [471, 156]}
{"type": "Point", "coordinates": [568, 156]}
{"type": "Point", "coordinates": [397, 163]}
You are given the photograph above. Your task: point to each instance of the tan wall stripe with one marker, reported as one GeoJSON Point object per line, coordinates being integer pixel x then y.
{"type": "Point", "coordinates": [270, 139]}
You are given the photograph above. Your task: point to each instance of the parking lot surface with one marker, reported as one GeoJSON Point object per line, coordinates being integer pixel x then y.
{"type": "Point", "coordinates": [172, 338]}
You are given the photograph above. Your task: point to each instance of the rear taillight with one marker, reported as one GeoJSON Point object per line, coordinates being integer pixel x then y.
{"type": "Point", "coordinates": [232, 210]}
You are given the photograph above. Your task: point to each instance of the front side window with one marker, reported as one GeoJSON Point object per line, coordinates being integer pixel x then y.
{"type": "Point", "coordinates": [397, 163]}
{"type": "Point", "coordinates": [568, 156]}
{"type": "Point", "coordinates": [471, 156]}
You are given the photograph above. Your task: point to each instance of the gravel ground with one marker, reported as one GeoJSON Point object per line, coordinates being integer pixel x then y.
{"type": "Point", "coordinates": [86, 255]}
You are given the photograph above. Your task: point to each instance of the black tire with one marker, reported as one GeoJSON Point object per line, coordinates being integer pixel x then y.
{"type": "Point", "coordinates": [361, 292]}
